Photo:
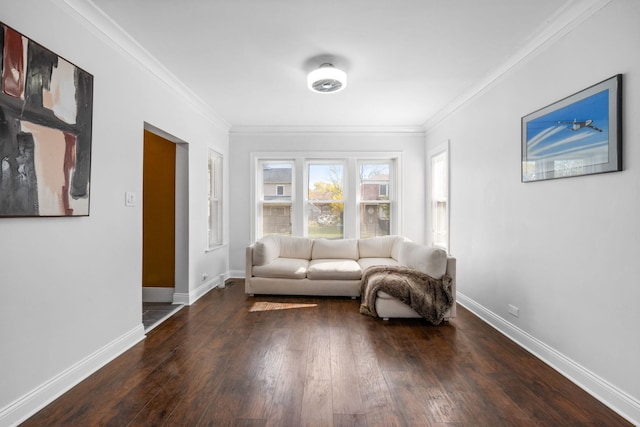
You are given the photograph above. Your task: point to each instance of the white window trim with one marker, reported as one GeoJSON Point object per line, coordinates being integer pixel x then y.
{"type": "Point", "coordinates": [392, 187]}
{"type": "Point", "coordinates": [257, 192]}
{"type": "Point", "coordinates": [433, 152]}
{"type": "Point", "coordinates": [215, 189]}
{"type": "Point", "coordinates": [345, 190]}
{"type": "Point", "coordinates": [299, 160]}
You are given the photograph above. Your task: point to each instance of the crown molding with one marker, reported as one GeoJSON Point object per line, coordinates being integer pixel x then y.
{"type": "Point", "coordinates": [568, 17]}
{"type": "Point", "coordinates": [108, 30]}
{"type": "Point", "coordinates": [237, 130]}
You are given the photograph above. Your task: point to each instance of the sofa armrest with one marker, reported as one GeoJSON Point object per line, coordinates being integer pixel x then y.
{"type": "Point", "coordinates": [451, 272]}
{"type": "Point", "coordinates": [248, 269]}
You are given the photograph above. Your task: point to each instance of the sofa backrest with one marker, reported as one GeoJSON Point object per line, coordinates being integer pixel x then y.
{"type": "Point", "coordinates": [295, 247]}
{"type": "Point", "coordinates": [380, 247]}
{"type": "Point", "coordinates": [269, 248]}
{"type": "Point", "coordinates": [335, 249]}
{"type": "Point", "coordinates": [427, 259]}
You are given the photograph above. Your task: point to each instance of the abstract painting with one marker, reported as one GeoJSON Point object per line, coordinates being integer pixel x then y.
{"type": "Point", "coordinates": [45, 131]}
{"type": "Point", "coordinates": [578, 135]}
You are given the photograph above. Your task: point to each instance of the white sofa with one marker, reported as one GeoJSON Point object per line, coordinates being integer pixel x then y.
{"type": "Point", "coordinates": [285, 265]}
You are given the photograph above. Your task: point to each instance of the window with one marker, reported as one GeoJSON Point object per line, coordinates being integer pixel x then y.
{"type": "Point", "coordinates": [325, 200]}
{"type": "Point", "coordinates": [375, 205]}
{"type": "Point", "coordinates": [215, 199]}
{"type": "Point", "coordinates": [350, 195]}
{"type": "Point", "coordinates": [439, 196]}
{"type": "Point", "coordinates": [276, 179]}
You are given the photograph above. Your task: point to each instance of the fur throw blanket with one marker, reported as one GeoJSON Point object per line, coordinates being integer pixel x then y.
{"type": "Point", "coordinates": [428, 296]}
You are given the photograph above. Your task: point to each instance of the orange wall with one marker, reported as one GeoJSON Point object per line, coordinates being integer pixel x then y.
{"type": "Point", "coordinates": [158, 212]}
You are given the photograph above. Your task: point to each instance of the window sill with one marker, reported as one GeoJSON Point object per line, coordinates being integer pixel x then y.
{"type": "Point", "coordinates": [215, 248]}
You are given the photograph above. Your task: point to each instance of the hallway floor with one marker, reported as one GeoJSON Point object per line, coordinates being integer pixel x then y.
{"type": "Point", "coordinates": [154, 313]}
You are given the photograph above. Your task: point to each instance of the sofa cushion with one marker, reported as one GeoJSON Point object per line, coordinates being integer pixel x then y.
{"type": "Point", "coordinates": [295, 247]}
{"type": "Point", "coordinates": [284, 268]}
{"type": "Point", "coordinates": [335, 249]}
{"type": "Point", "coordinates": [376, 247]}
{"type": "Point", "coordinates": [369, 262]}
{"type": "Point", "coordinates": [265, 250]}
{"type": "Point", "coordinates": [427, 259]}
{"type": "Point", "coordinates": [334, 269]}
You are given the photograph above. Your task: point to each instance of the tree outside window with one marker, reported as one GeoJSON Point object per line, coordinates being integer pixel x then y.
{"type": "Point", "coordinates": [347, 196]}
{"type": "Point", "coordinates": [325, 213]}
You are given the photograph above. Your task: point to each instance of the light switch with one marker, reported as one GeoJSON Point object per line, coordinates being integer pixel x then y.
{"type": "Point", "coordinates": [130, 199]}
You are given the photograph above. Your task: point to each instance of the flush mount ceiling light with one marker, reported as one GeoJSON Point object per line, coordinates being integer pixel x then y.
{"type": "Point", "coordinates": [327, 79]}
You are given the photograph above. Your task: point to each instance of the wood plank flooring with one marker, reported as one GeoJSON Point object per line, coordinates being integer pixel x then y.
{"type": "Point", "coordinates": [234, 360]}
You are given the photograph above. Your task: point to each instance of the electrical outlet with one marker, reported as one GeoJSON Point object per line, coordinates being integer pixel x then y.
{"type": "Point", "coordinates": [514, 311]}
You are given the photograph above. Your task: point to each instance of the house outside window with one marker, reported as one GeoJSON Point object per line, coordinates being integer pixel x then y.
{"type": "Point", "coordinates": [275, 199]}
{"type": "Point", "coordinates": [375, 204]}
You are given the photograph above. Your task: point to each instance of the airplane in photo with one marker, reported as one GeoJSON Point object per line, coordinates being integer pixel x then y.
{"type": "Point", "coordinates": [576, 125]}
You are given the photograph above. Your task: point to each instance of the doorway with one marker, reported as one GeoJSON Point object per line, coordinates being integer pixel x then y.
{"type": "Point", "coordinates": [158, 212]}
{"type": "Point", "coordinates": [164, 225]}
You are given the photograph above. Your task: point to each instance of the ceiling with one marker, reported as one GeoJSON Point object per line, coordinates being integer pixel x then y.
{"type": "Point", "coordinates": [407, 61]}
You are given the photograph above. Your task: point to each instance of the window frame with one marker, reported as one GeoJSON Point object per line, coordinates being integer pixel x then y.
{"type": "Point", "coordinates": [351, 195]}
{"type": "Point", "coordinates": [215, 165]}
{"type": "Point", "coordinates": [433, 153]}
{"type": "Point", "coordinates": [390, 192]}
{"type": "Point", "coordinates": [259, 197]}
{"type": "Point", "coordinates": [308, 201]}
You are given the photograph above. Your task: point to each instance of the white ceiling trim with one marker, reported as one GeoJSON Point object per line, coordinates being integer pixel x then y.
{"type": "Point", "coordinates": [236, 130]}
{"type": "Point", "coordinates": [115, 34]}
{"type": "Point", "coordinates": [562, 22]}
{"type": "Point", "coordinates": [568, 17]}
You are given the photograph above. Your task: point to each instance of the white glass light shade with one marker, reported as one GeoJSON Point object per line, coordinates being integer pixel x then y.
{"type": "Point", "coordinates": [327, 79]}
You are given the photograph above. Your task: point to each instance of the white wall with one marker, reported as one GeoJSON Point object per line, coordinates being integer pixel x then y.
{"type": "Point", "coordinates": [566, 252]}
{"type": "Point", "coordinates": [410, 144]}
{"type": "Point", "coordinates": [72, 286]}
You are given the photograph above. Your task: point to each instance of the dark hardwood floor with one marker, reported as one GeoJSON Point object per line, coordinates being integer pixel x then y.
{"type": "Point", "coordinates": [230, 359]}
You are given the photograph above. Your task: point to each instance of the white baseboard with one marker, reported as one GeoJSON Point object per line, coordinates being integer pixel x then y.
{"type": "Point", "coordinates": [196, 294]}
{"type": "Point", "coordinates": [27, 405]}
{"type": "Point", "coordinates": [155, 294]}
{"type": "Point", "coordinates": [622, 403]}
{"type": "Point", "coordinates": [237, 274]}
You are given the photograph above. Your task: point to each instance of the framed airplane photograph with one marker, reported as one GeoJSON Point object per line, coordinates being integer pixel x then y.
{"type": "Point", "coordinates": [578, 135]}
